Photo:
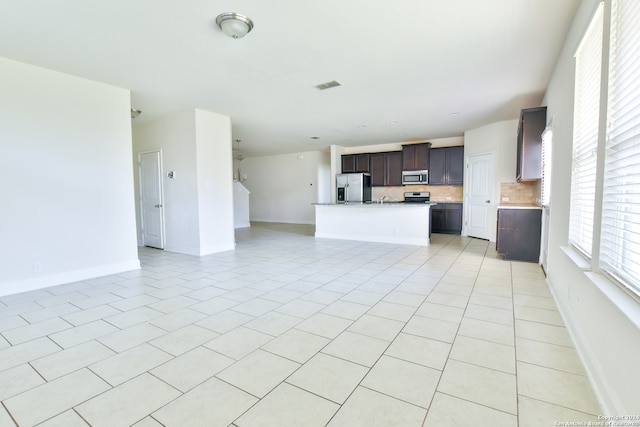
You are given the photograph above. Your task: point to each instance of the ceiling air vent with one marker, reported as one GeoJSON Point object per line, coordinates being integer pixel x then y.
{"type": "Point", "coordinates": [328, 85]}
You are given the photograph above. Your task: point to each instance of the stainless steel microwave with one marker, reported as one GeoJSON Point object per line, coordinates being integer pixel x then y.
{"type": "Point", "coordinates": [415, 177]}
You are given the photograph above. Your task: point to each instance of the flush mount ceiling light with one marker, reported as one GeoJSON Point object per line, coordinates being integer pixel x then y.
{"type": "Point", "coordinates": [234, 25]}
{"type": "Point", "coordinates": [328, 85]}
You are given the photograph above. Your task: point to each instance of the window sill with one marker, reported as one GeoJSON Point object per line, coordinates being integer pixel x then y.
{"type": "Point", "coordinates": [627, 304]}
{"type": "Point", "coordinates": [577, 259]}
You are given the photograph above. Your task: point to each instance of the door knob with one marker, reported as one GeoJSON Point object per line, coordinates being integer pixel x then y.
{"type": "Point", "coordinates": [487, 201]}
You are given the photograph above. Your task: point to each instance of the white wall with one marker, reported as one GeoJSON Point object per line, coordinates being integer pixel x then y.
{"type": "Point", "coordinates": [325, 182]}
{"type": "Point", "coordinates": [175, 136]}
{"type": "Point", "coordinates": [283, 187]}
{"type": "Point", "coordinates": [240, 205]}
{"type": "Point", "coordinates": [198, 201]}
{"type": "Point", "coordinates": [335, 158]}
{"type": "Point", "coordinates": [215, 182]}
{"type": "Point", "coordinates": [67, 192]}
{"type": "Point", "coordinates": [500, 139]}
{"type": "Point", "coordinates": [606, 337]}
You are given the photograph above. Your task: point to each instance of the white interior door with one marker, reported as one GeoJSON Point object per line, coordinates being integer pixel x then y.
{"type": "Point", "coordinates": [479, 200]}
{"type": "Point", "coordinates": [152, 211]}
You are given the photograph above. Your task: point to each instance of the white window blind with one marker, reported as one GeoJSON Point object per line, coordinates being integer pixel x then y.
{"type": "Point", "coordinates": [585, 136]}
{"type": "Point", "coordinates": [545, 190]}
{"type": "Point", "coordinates": [620, 236]}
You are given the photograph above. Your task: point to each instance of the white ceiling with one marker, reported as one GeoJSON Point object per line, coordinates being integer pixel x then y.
{"type": "Point", "coordinates": [410, 70]}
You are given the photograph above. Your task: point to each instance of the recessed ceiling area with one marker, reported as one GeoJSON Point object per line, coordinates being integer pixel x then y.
{"type": "Point", "coordinates": [408, 71]}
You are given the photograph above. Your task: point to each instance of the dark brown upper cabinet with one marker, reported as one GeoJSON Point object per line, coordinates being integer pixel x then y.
{"type": "Point", "coordinates": [415, 157]}
{"type": "Point", "coordinates": [355, 163]}
{"type": "Point", "coordinates": [446, 166]}
{"type": "Point", "coordinates": [529, 148]}
{"type": "Point", "coordinates": [386, 169]}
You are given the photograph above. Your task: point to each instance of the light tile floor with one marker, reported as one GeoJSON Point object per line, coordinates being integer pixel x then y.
{"type": "Point", "coordinates": [288, 330]}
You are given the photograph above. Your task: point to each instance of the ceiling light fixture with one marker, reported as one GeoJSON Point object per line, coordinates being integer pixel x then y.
{"type": "Point", "coordinates": [234, 25]}
{"type": "Point", "coordinates": [238, 156]}
{"type": "Point", "coordinates": [328, 85]}
{"type": "Point", "coordinates": [135, 113]}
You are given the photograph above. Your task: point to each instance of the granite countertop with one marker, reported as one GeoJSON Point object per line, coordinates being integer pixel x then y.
{"type": "Point", "coordinates": [377, 205]}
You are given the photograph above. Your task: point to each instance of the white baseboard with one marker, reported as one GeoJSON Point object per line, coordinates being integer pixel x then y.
{"type": "Point", "coordinates": [31, 284]}
{"type": "Point", "coordinates": [197, 251]}
{"type": "Point", "coordinates": [215, 249]}
{"type": "Point", "coordinates": [282, 221]}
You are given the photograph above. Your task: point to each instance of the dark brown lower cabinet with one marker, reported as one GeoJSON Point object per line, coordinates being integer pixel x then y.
{"type": "Point", "coordinates": [446, 218]}
{"type": "Point", "coordinates": [518, 234]}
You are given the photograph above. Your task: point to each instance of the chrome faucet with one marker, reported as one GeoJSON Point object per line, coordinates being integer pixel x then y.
{"type": "Point", "coordinates": [382, 199]}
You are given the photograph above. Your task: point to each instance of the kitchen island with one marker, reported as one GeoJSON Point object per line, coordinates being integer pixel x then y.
{"type": "Point", "coordinates": [402, 223]}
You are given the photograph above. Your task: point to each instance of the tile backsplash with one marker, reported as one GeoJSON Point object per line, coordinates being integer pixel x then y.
{"type": "Point", "coordinates": [439, 193]}
{"type": "Point", "coordinates": [520, 193]}
{"type": "Point", "coordinates": [515, 192]}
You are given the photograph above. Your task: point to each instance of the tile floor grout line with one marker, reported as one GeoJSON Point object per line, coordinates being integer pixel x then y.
{"type": "Point", "coordinates": [478, 403]}
{"type": "Point", "coordinates": [426, 415]}
{"type": "Point", "coordinates": [515, 345]}
{"type": "Point", "coordinates": [369, 369]}
{"type": "Point", "coordinates": [553, 369]}
{"type": "Point", "coordinates": [379, 271]}
{"type": "Point", "coordinates": [6, 409]}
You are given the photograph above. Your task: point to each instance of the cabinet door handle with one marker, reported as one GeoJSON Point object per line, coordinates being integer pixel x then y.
{"type": "Point", "coordinates": [487, 201]}
{"type": "Point", "coordinates": [157, 206]}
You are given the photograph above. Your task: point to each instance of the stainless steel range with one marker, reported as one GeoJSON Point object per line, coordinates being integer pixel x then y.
{"type": "Point", "coordinates": [417, 196]}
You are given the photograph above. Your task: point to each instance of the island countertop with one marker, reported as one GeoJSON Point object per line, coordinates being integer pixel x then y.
{"type": "Point", "coordinates": [376, 204]}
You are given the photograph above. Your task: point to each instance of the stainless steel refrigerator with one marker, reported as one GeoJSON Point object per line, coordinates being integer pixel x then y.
{"type": "Point", "coordinates": [353, 188]}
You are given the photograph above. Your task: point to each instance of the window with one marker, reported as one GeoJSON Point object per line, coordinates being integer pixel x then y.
{"type": "Point", "coordinates": [617, 247]}
{"type": "Point", "coordinates": [620, 235]}
{"type": "Point", "coordinates": [585, 136]}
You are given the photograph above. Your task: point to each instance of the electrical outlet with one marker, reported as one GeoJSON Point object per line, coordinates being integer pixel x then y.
{"type": "Point", "coordinates": [505, 199]}
{"type": "Point", "coordinates": [37, 267]}
{"type": "Point", "coordinates": [448, 197]}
